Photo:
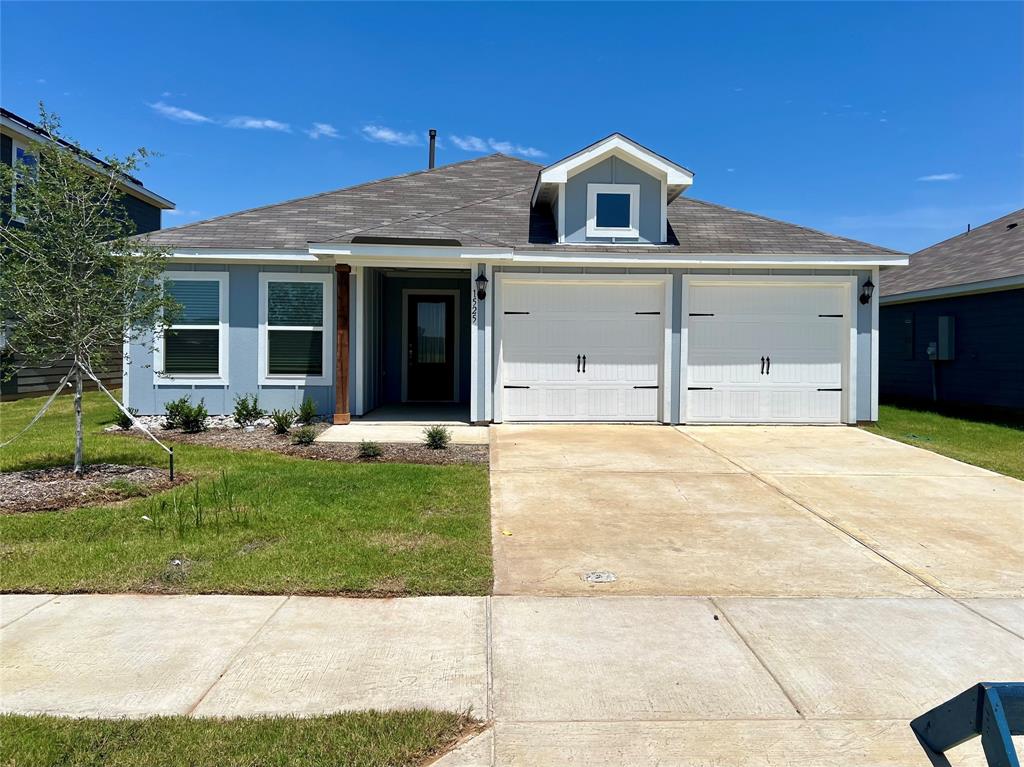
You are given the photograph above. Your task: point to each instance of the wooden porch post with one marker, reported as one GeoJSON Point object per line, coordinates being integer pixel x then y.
{"type": "Point", "coordinates": [341, 406]}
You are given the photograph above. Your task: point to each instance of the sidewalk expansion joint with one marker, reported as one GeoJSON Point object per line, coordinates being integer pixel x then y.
{"type": "Point", "coordinates": [235, 655]}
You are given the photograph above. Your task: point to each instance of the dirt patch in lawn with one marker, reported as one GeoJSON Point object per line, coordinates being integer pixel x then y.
{"type": "Point", "coordinates": [57, 487]}
{"type": "Point", "coordinates": [266, 439]}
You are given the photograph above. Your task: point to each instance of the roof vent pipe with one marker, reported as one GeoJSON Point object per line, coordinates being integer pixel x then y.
{"type": "Point", "coordinates": [433, 141]}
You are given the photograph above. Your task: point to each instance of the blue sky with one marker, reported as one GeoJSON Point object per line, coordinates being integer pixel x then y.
{"type": "Point", "coordinates": [893, 123]}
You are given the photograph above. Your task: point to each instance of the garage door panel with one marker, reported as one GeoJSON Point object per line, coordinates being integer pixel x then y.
{"type": "Point", "coordinates": [802, 352]}
{"type": "Point", "coordinates": [610, 323]}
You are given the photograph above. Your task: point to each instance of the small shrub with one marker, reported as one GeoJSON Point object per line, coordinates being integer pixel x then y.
{"type": "Point", "coordinates": [192, 418]}
{"type": "Point", "coordinates": [282, 420]}
{"type": "Point", "coordinates": [307, 411]}
{"type": "Point", "coordinates": [123, 421]}
{"type": "Point", "coordinates": [368, 449]}
{"type": "Point", "coordinates": [248, 410]}
{"type": "Point", "coordinates": [173, 411]}
{"type": "Point", "coordinates": [437, 437]}
{"type": "Point", "coordinates": [304, 436]}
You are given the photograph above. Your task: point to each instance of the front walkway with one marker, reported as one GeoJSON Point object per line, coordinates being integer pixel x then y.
{"type": "Point", "coordinates": [861, 582]}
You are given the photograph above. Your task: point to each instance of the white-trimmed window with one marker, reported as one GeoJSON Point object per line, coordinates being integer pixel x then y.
{"type": "Point", "coordinates": [194, 349]}
{"type": "Point", "coordinates": [295, 346]}
{"type": "Point", "coordinates": [613, 210]}
{"type": "Point", "coordinates": [24, 163]}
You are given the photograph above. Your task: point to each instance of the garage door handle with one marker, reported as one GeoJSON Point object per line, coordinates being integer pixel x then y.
{"type": "Point", "coordinates": [762, 366]}
{"type": "Point", "coordinates": [768, 371]}
{"type": "Point", "coordinates": [584, 363]}
{"type": "Point", "coordinates": [577, 363]}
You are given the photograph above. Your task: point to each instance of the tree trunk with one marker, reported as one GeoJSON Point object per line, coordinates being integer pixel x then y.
{"type": "Point", "coordinates": [79, 431]}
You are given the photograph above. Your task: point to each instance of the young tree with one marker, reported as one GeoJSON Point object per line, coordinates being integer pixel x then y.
{"type": "Point", "coordinates": [73, 282]}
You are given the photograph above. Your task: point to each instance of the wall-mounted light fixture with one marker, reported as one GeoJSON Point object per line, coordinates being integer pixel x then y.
{"type": "Point", "coordinates": [866, 291]}
{"type": "Point", "coordinates": [481, 286]}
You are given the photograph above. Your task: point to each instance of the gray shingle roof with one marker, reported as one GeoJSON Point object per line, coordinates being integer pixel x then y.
{"type": "Point", "coordinates": [992, 251]}
{"type": "Point", "coordinates": [485, 202]}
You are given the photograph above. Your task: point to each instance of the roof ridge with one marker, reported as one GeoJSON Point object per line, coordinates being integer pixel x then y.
{"type": "Point", "coordinates": [434, 215]}
{"type": "Point", "coordinates": [787, 223]}
{"type": "Point", "coordinates": [979, 228]}
{"type": "Point", "coordinates": [349, 188]}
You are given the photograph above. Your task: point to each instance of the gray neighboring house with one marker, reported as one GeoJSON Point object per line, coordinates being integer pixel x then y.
{"type": "Point", "coordinates": [952, 323]}
{"type": "Point", "coordinates": [590, 289]}
{"type": "Point", "coordinates": [142, 205]}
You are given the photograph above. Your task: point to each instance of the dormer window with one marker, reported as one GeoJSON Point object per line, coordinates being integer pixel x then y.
{"type": "Point", "coordinates": [613, 210]}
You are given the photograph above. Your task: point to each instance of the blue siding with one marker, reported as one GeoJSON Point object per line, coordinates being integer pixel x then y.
{"type": "Point", "coordinates": [150, 397]}
{"type": "Point", "coordinates": [612, 171]}
{"type": "Point", "coordinates": [988, 368]}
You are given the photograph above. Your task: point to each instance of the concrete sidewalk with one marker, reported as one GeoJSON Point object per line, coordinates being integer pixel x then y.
{"type": "Point", "coordinates": [616, 680]}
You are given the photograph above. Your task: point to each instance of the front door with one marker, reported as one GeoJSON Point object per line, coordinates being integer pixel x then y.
{"type": "Point", "coordinates": [430, 348]}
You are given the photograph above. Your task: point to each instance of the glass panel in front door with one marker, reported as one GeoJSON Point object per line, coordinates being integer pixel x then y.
{"type": "Point", "coordinates": [430, 332]}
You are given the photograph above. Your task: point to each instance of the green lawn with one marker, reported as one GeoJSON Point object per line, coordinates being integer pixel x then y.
{"type": "Point", "coordinates": [312, 526]}
{"type": "Point", "coordinates": [999, 447]}
{"type": "Point", "coordinates": [392, 739]}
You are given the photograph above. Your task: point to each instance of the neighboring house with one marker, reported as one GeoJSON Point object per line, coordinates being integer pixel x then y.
{"type": "Point", "coordinates": [952, 323]}
{"type": "Point", "coordinates": [588, 290]}
{"type": "Point", "coordinates": [142, 206]}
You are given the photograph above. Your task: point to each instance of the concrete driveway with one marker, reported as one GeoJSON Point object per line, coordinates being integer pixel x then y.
{"type": "Point", "coordinates": [785, 597]}
{"type": "Point", "coordinates": [747, 511]}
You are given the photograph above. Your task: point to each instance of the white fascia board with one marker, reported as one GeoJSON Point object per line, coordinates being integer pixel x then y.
{"type": "Point", "coordinates": [578, 258]}
{"type": "Point", "coordinates": [404, 251]}
{"type": "Point", "coordinates": [560, 172]}
{"type": "Point", "coordinates": [244, 256]}
{"type": "Point", "coordinates": [966, 289]}
{"type": "Point", "coordinates": [129, 186]}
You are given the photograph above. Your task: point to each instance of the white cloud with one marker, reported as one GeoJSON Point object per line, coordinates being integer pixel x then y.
{"type": "Point", "coordinates": [390, 136]}
{"type": "Point", "coordinates": [186, 213]}
{"type": "Point", "coordinates": [941, 177]}
{"type": "Point", "coordinates": [470, 143]}
{"type": "Point", "coordinates": [258, 123]}
{"type": "Point", "coordinates": [322, 129]}
{"type": "Point", "coordinates": [177, 113]}
{"type": "Point", "coordinates": [477, 144]}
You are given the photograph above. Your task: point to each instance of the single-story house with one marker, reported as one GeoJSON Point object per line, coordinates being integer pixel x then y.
{"type": "Point", "coordinates": [952, 322]}
{"type": "Point", "coordinates": [591, 289]}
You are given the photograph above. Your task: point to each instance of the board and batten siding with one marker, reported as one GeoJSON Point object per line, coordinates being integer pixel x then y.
{"type": "Point", "coordinates": [988, 368]}
{"type": "Point", "coordinates": [613, 170]}
{"type": "Point", "coordinates": [145, 391]}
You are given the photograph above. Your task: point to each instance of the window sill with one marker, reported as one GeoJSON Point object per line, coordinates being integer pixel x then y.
{"type": "Point", "coordinates": [284, 380]}
{"type": "Point", "coordinates": [189, 381]}
{"type": "Point", "coordinates": [619, 234]}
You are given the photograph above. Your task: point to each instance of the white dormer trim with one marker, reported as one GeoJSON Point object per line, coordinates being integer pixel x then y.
{"type": "Point", "coordinates": [677, 178]}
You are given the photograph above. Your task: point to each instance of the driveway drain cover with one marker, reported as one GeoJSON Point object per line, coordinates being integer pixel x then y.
{"type": "Point", "coordinates": [600, 576]}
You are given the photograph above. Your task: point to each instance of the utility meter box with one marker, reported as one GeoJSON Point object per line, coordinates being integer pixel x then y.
{"type": "Point", "coordinates": [947, 338]}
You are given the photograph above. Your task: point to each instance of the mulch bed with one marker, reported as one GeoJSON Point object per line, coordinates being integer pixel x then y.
{"type": "Point", "coordinates": [58, 488]}
{"type": "Point", "coordinates": [265, 439]}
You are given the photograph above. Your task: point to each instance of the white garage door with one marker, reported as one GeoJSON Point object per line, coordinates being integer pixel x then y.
{"type": "Point", "coordinates": [764, 353]}
{"type": "Point", "coordinates": [582, 351]}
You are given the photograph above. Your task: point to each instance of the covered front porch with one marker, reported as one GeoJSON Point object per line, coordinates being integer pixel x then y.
{"type": "Point", "coordinates": [405, 347]}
